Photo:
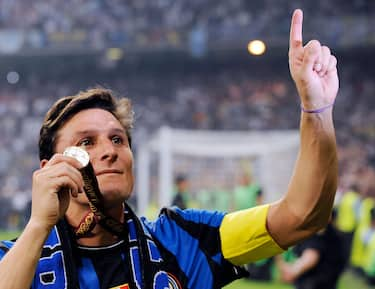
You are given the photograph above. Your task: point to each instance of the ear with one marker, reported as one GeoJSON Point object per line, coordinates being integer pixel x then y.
{"type": "Point", "coordinates": [43, 163]}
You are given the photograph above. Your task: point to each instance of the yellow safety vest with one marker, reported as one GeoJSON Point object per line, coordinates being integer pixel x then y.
{"type": "Point", "coordinates": [347, 217]}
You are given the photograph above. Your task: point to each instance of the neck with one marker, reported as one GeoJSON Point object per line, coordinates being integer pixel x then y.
{"type": "Point", "coordinates": [98, 236]}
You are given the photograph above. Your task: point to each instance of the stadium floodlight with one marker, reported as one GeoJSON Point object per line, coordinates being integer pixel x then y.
{"type": "Point", "coordinates": [256, 47]}
{"type": "Point", "coordinates": [213, 159]}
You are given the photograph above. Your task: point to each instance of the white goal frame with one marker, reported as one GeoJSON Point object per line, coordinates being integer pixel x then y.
{"type": "Point", "coordinates": [275, 150]}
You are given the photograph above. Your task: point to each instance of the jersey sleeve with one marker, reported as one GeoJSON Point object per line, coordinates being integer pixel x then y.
{"type": "Point", "coordinates": [2, 252]}
{"type": "Point", "coordinates": [4, 247]}
{"type": "Point", "coordinates": [244, 236]}
{"type": "Point", "coordinates": [190, 244]}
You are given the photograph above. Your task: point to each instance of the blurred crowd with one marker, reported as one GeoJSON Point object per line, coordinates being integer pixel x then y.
{"type": "Point", "coordinates": [166, 23]}
{"type": "Point", "coordinates": [230, 97]}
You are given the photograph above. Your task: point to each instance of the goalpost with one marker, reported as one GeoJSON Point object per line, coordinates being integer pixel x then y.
{"type": "Point", "coordinates": [213, 161]}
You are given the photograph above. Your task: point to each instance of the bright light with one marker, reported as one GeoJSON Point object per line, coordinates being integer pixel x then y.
{"type": "Point", "coordinates": [114, 54]}
{"type": "Point", "coordinates": [256, 47]}
{"type": "Point", "coordinates": [13, 77]}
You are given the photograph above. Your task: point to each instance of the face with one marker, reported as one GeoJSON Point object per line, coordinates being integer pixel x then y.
{"type": "Point", "coordinates": [183, 186]}
{"type": "Point", "coordinates": [104, 138]}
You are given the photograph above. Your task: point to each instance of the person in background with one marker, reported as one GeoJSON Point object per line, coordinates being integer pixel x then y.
{"type": "Point", "coordinates": [347, 219]}
{"type": "Point", "coordinates": [368, 241]}
{"type": "Point", "coordinates": [182, 197]}
{"type": "Point", "coordinates": [320, 261]}
{"type": "Point", "coordinates": [248, 193]}
{"type": "Point", "coordinates": [357, 254]}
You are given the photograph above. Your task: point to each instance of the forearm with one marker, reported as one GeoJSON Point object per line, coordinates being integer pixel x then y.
{"type": "Point", "coordinates": [307, 204]}
{"type": "Point", "coordinates": [290, 272]}
{"type": "Point", "coordinates": [17, 268]}
{"type": "Point", "coordinates": [313, 186]}
{"type": "Point", "coordinates": [306, 262]}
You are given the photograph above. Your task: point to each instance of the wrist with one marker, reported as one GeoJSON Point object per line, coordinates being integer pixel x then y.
{"type": "Point", "coordinates": [41, 228]}
{"type": "Point", "coordinates": [296, 269]}
{"type": "Point", "coordinates": [317, 110]}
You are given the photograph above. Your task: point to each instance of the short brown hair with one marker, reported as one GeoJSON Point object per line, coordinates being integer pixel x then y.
{"type": "Point", "coordinates": [66, 107]}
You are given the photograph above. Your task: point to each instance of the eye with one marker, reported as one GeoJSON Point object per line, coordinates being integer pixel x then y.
{"type": "Point", "coordinates": [85, 142]}
{"type": "Point", "coordinates": [117, 140]}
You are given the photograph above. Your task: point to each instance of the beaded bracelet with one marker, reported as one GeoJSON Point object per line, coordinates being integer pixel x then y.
{"type": "Point", "coordinates": [317, 110]}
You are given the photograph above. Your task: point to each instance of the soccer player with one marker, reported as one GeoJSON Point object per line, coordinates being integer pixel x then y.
{"type": "Point", "coordinates": [70, 242]}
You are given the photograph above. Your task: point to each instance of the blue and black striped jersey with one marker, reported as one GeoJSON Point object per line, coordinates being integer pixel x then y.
{"type": "Point", "coordinates": [183, 244]}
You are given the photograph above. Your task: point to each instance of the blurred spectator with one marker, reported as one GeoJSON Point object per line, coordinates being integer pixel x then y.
{"type": "Point", "coordinates": [247, 193]}
{"type": "Point", "coordinates": [348, 211]}
{"type": "Point", "coordinates": [368, 238]}
{"type": "Point", "coordinates": [182, 197]}
{"type": "Point", "coordinates": [358, 253]}
{"type": "Point", "coordinates": [319, 263]}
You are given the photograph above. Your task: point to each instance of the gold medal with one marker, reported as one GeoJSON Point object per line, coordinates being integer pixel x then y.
{"type": "Point", "coordinates": [78, 153]}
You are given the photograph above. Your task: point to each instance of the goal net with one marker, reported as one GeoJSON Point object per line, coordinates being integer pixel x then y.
{"type": "Point", "coordinates": [213, 161]}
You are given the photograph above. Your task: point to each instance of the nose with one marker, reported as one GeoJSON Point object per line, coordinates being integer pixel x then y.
{"type": "Point", "coordinates": [108, 151]}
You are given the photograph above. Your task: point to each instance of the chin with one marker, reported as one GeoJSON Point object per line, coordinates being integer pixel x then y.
{"type": "Point", "coordinates": [114, 194]}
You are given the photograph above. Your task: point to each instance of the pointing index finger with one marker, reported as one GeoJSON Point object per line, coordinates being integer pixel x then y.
{"type": "Point", "coordinates": [295, 40]}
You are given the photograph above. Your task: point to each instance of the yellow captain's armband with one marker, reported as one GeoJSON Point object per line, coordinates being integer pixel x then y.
{"type": "Point", "coordinates": [244, 236]}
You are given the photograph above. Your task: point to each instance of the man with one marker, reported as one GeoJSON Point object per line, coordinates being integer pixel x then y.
{"type": "Point", "coordinates": [247, 193]}
{"type": "Point", "coordinates": [368, 241]}
{"type": "Point", "coordinates": [320, 261]}
{"type": "Point", "coordinates": [348, 215]}
{"type": "Point", "coordinates": [181, 249]}
{"type": "Point", "coordinates": [181, 198]}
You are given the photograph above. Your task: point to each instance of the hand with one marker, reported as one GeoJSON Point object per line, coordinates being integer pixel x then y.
{"type": "Point", "coordinates": [53, 184]}
{"type": "Point", "coordinates": [287, 273]}
{"type": "Point", "coordinates": [312, 68]}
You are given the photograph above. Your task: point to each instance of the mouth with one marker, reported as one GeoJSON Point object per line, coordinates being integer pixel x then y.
{"type": "Point", "coordinates": [108, 171]}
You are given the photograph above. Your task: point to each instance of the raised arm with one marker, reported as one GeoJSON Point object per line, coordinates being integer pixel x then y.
{"type": "Point", "coordinates": [306, 207]}
{"type": "Point", "coordinates": [52, 186]}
